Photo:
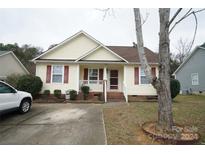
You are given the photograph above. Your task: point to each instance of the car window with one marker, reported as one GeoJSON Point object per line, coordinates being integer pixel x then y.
{"type": "Point", "coordinates": [5, 89]}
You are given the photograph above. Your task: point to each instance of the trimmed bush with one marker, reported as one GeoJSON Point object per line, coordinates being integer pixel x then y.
{"type": "Point", "coordinates": [47, 92]}
{"type": "Point", "coordinates": [57, 93]}
{"type": "Point", "coordinates": [175, 87]}
{"type": "Point", "coordinates": [30, 83]}
{"type": "Point", "coordinates": [13, 79]}
{"type": "Point", "coordinates": [73, 94]}
{"type": "Point", "coordinates": [85, 90]}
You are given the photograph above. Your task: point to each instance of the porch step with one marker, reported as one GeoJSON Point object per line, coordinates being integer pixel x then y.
{"type": "Point", "coordinates": [115, 97]}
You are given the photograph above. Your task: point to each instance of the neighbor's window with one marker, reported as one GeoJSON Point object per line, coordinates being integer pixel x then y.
{"type": "Point", "coordinates": [57, 74]}
{"type": "Point", "coordinates": [143, 77]}
{"type": "Point", "coordinates": [93, 75]}
{"type": "Point", "coordinates": [194, 79]}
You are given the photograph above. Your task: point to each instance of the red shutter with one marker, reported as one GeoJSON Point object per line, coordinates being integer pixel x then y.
{"type": "Point", "coordinates": [136, 75]}
{"type": "Point", "coordinates": [153, 71]}
{"type": "Point", "coordinates": [66, 74]}
{"type": "Point", "coordinates": [100, 74]}
{"type": "Point", "coordinates": [85, 77]}
{"type": "Point", "coordinates": [48, 74]}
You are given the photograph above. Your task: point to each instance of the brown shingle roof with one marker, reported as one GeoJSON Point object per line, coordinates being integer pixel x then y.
{"type": "Point", "coordinates": [131, 54]}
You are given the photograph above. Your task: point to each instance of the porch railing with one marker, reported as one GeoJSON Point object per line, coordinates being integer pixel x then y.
{"type": "Point", "coordinates": [90, 83]}
{"type": "Point", "coordinates": [125, 91]}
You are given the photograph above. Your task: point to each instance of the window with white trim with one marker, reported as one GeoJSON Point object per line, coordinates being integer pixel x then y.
{"type": "Point", "coordinates": [195, 79]}
{"type": "Point", "coordinates": [93, 75]}
{"type": "Point", "coordinates": [57, 74]}
{"type": "Point", "coordinates": [143, 77]}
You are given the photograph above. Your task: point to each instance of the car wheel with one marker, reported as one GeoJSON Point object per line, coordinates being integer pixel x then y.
{"type": "Point", "coordinates": [25, 106]}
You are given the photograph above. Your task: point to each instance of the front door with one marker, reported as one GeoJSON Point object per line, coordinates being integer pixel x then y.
{"type": "Point", "coordinates": [113, 79]}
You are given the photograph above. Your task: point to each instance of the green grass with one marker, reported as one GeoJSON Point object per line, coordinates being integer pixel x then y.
{"type": "Point", "coordinates": [123, 123]}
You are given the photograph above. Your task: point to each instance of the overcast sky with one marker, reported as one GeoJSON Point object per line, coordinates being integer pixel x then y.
{"type": "Point", "coordinates": [43, 27]}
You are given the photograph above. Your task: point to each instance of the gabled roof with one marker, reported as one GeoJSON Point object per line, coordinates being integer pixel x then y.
{"type": "Point", "coordinates": [74, 36]}
{"type": "Point", "coordinates": [187, 59]}
{"type": "Point", "coordinates": [128, 54]}
{"type": "Point", "coordinates": [3, 53]}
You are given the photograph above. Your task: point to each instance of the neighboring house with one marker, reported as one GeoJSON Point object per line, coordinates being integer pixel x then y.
{"type": "Point", "coordinates": [191, 73]}
{"type": "Point", "coordinates": [10, 64]}
{"type": "Point", "coordinates": [82, 60]}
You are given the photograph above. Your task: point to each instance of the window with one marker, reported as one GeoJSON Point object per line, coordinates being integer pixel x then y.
{"type": "Point", "coordinates": [5, 89]}
{"type": "Point", "coordinates": [143, 77]}
{"type": "Point", "coordinates": [194, 79]}
{"type": "Point", "coordinates": [93, 75]}
{"type": "Point", "coordinates": [57, 74]}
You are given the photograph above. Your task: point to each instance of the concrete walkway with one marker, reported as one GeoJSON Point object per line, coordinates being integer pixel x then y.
{"type": "Point", "coordinates": [55, 124]}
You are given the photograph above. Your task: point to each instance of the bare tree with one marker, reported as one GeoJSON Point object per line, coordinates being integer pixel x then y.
{"type": "Point", "coordinates": [161, 84]}
{"type": "Point", "coordinates": [183, 50]}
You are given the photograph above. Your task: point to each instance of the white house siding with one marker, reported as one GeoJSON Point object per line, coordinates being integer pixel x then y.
{"type": "Point", "coordinates": [73, 49]}
{"type": "Point", "coordinates": [102, 54]}
{"type": "Point", "coordinates": [41, 69]}
{"type": "Point", "coordinates": [140, 89]}
{"type": "Point", "coordinates": [9, 65]}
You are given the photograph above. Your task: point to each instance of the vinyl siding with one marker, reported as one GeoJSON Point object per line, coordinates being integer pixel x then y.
{"type": "Point", "coordinates": [73, 49]}
{"type": "Point", "coordinates": [140, 89]}
{"type": "Point", "coordinates": [9, 65]}
{"type": "Point", "coordinates": [72, 83]}
{"type": "Point", "coordinates": [194, 65]}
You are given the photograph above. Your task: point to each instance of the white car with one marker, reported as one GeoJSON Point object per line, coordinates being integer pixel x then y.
{"type": "Point", "coordinates": [10, 99]}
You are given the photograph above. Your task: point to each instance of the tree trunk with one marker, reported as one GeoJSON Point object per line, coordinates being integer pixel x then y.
{"type": "Point", "coordinates": [140, 45]}
{"type": "Point", "coordinates": [162, 85]}
{"type": "Point", "coordinates": [165, 118]}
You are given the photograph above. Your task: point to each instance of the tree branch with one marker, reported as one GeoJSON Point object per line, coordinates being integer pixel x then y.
{"type": "Point", "coordinates": [189, 12]}
{"type": "Point", "coordinates": [175, 15]}
{"type": "Point", "coordinates": [196, 26]}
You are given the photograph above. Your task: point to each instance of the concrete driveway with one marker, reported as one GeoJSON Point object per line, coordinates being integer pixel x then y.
{"type": "Point", "coordinates": [54, 124]}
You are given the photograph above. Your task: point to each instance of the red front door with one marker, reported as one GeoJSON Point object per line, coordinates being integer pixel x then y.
{"type": "Point", "coordinates": [113, 79]}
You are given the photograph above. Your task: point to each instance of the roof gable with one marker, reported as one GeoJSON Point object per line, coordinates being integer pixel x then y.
{"type": "Point", "coordinates": [189, 57]}
{"type": "Point", "coordinates": [74, 48]}
{"type": "Point", "coordinates": [101, 54]}
{"type": "Point", "coordinates": [18, 62]}
{"type": "Point", "coordinates": [71, 49]}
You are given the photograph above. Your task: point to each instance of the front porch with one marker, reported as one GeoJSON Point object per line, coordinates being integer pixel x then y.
{"type": "Point", "coordinates": [106, 79]}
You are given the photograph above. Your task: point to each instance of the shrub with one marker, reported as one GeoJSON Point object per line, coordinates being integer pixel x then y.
{"type": "Point", "coordinates": [47, 92]}
{"type": "Point", "coordinates": [13, 79]}
{"type": "Point", "coordinates": [73, 94]}
{"type": "Point", "coordinates": [175, 87]}
{"type": "Point", "coordinates": [57, 93]}
{"type": "Point", "coordinates": [85, 90]}
{"type": "Point", "coordinates": [30, 83]}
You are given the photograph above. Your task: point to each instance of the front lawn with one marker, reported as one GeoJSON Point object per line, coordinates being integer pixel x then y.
{"type": "Point", "coordinates": [123, 123]}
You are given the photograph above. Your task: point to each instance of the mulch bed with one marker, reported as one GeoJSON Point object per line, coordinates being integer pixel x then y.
{"type": "Point", "coordinates": [179, 135]}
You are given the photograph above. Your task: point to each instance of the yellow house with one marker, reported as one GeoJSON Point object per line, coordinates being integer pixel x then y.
{"type": "Point", "coordinates": [82, 60]}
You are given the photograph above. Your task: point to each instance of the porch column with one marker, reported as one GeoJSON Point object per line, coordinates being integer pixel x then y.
{"type": "Point", "coordinates": [105, 83]}
{"type": "Point", "coordinates": [78, 77]}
